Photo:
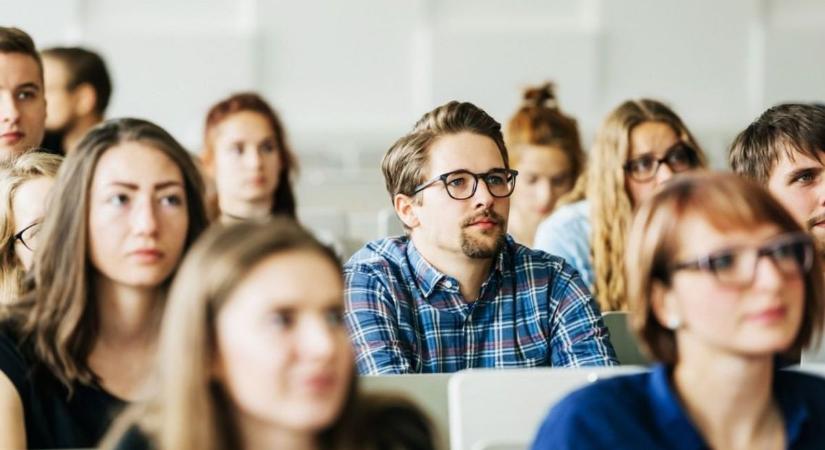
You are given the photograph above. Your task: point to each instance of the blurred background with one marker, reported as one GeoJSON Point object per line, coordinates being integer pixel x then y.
{"type": "Point", "coordinates": [349, 77]}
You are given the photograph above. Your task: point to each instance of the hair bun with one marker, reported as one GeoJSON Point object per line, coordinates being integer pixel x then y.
{"type": "Point", "coordinates": [542, 96]}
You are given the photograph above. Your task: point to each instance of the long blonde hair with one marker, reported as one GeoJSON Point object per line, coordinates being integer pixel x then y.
{"type": "Point", "coordinates": [188, 407]}
{"type": "Point", "coordinates": [27, 167]}
{"type": "Point", "coordinates": [611, 210]}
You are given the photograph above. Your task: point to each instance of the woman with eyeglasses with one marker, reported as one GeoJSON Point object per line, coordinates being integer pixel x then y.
{"type": "Point", "coordinates": [641, 145]}
{"type": "Point", "coordinates": [81, 341]}
{"type": "Point", "coordinates": [24, 187]}
{"type": "Point", "coordinates": [247, 156]}
{"type": "Point", "coordinates": [254, 355]}
{"type": "Point", "coordinates": [723, 283]}
{"type": "Point", "coordinates": [544, 147]}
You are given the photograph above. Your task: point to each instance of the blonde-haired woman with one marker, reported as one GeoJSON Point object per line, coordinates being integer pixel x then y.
{"type": "Point", "coordinates": [723, 283]}
{"type": "Point", "coordinates": [640, 145]}
{"type": "Point", "coordinates": [242, 370]}
{"type": "Point", "coordinates": [24, 187]}
{"type": "Point", "coordinates": [545, 148]}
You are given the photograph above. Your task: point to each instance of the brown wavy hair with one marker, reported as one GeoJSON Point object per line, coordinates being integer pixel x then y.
{"type": "Point", "coordinates": [58, 315]}
{"type": "Point", "coordinates": [726, 202]}
{"type": "Point", "coordinates": [188, 408]}
{"type": "Point", "coordinates": [610, 206]}
{"type": "Point", "coordinates": [283, 201]}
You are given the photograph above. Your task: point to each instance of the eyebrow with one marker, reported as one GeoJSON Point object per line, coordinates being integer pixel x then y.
{"type": "Point", "coordinates": [158, 186]}
{"type": "Point", "coordinates": [29, 85]}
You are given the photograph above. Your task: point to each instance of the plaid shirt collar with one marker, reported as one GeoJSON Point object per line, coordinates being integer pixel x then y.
{"type": "Point", "coordinates": [429, 278]}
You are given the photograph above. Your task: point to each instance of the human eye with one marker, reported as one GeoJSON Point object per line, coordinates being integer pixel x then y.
{"type": "Point", "coordinates": [281, 319]}
{"type": "Point", "coordinates": [26, 94]}
{"type": "Point", "coordinates": [723, 261]}
{"type": "Point", "coordinates": [267, 147]}
{"type": "Point", "coordinates": [495, 179]}
{"type": "Point", "coordinates": [457, 180]}
{"type": "Point", "coordinates": [236, 148]}
{"type": "Point", "coordinates": [642, 164]}
{"type": "Point", "coordinates": [171, 200]}
{"type": "Point", "coordinates": [334, 317]}
{"type": "Point", "coordinates": [805, 177]}
{"type": "Point", "coordinates": [118, 199]}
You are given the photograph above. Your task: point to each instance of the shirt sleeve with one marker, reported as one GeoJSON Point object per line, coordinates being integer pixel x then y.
{"type": "Point", "coordinates": [562, 236]}
{"type": "Point", "coordinates": [373, 325]}
{"type": "Point", "coordinates": [578, 334]}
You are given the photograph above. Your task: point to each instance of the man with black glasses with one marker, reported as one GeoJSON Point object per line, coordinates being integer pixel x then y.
{"type": "Point", "coordinates": [457, 291]}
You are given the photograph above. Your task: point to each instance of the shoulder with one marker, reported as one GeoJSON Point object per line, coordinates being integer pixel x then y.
{"type": "Point", "coordinates": [567, 228]}
{"type": "Point", "coordinates": [13, 360]}
{"type": "Point", "coordinates": [603, 404]}
{"type": "Point", "coordinates": [554, 267]}
{"type": "Point", "coordinates": [133, 439]}
{"type": "Point", "coordinates": [379, 255]}
{"type": "Point", "coordinates": [574, 213]}
{"type": "Point", "coordinates": [795, 384]}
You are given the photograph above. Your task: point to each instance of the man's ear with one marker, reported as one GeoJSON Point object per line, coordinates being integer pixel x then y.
{"type": "Point", "coordinates": [404, 207]}
{"type": "Point", "coordinates": [85, 98]}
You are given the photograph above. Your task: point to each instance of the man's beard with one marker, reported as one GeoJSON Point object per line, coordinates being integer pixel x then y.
{"type": "Point", "coordinates": [476, 248]}
{"type": "Point", "coordinates": [819, 239]}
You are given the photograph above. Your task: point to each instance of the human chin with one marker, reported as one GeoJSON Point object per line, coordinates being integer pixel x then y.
{"type": "Point", "coordinates": [481, 245]}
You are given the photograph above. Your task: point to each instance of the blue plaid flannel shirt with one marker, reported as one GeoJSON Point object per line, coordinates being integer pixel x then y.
{"type": "Point", "coordinates": [404, 316]}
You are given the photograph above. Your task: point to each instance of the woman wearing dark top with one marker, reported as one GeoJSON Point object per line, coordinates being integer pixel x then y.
{"type": "Point", "coordinates": [254, 354]}
{"type": "Point", "coordinates": [124, 209]}
{"type": "Point", "coordinates": [723, 283]}
{"type": "Point", "coordinates": [247, 156]}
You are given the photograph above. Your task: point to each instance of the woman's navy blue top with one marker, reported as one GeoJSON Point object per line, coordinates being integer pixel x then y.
{"type": "Point", "coordinates": [643, 411]}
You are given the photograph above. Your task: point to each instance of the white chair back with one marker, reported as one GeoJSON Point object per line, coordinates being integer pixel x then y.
{"type": "Point", "coordinates": [427, 391]}
{"type": "Point", "coordinates": [502, 409]}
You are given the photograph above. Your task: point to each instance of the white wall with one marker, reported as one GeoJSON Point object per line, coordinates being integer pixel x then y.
{"type": "Point", "coordinates": [351, 76]}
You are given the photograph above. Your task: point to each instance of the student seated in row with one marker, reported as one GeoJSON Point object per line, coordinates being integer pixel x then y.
{"type": "Point", "coordinates": [723, 284]}
{"type": "Point", "coordinates": [254, 355]}
{"type": "Point", "coordinates": [457, 291]}
{"type": "Point", "coordinates": [784, 151]}
{"type": "Point", "coordinates": [25, 184]}
{"type": "Point", "coordinates": [641, 145]}
{"type": "Point", "coordinates": [81, 341]}
{"type": "Point", "coordinates": [22, 101]}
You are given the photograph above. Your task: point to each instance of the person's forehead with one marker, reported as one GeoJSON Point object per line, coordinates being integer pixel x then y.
{"type": "Point", "coordinates": [464, 150]}
{"type": "Point", "coordinates": [790, 158]}
{"type": "Point", "coordinates": [17, 69]}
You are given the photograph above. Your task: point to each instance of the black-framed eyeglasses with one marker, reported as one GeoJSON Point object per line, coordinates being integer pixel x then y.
{"type": "Point", "coordinates": [462, 184]}
{"type": "Point", "coordinates": [679, 158]}
{"type": "Point", "coordinates": [791, 253]}
{"type": "Point", "coordinates": [28, 236]}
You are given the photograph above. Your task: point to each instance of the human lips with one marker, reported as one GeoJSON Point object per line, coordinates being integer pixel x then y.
{"type": "Point", "coordinates": [12, 137]}
{"type": "Point", "coordinates": [768, 315]}
{"type": "Point", "coordinates": [147, 255]}
{"type": "Point", "coordinates": [319, 383]}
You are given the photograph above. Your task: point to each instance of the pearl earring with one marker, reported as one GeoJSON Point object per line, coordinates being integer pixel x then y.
{"type": "Point", "coordinates": [673, 323]}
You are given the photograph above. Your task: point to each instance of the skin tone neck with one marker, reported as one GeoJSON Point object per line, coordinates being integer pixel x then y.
{"type": "Point", "coordinates": [729, 397]}
{"type": "Point", "coordinates": [256, 434]}
{"type": "Point", "coordinates": [76, 133]}
{"type": "Point", "coordinates": [469, 272]}
{"type": "Point", "coordinates": [125, 347]}
{"type": "Point", "coordinates": [232, 211]}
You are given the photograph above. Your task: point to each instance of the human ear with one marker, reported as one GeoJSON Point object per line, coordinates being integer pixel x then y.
{"type": "Point", "coordinates": [404, 207]}
{"type": "Point", "coordinates": [665, 306]}
{"type": "Point", "coordinates": [85, 99]}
